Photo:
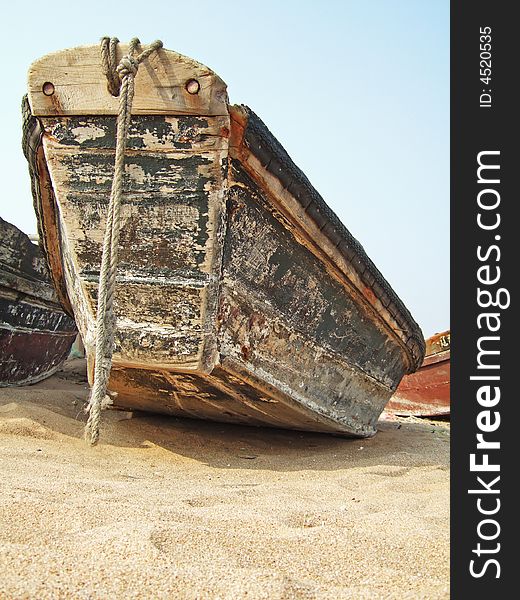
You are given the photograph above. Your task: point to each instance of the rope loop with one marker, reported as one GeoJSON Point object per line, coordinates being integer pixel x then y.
{"type": "Point", "coordinates": [109, 61]}
{"type": "Point", "coordinates": [128, 65]}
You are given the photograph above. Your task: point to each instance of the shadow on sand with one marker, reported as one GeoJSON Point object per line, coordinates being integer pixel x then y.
{"type": "Point", "coordinates": [56, 406]}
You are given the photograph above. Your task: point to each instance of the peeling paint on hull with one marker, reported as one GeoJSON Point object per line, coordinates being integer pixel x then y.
{"type": "Point", "coordinates": [427, 391]}
{"type": "Point", "coordinates": [35, 334]}
{"type": "Point", "coordinates": [230, 304]}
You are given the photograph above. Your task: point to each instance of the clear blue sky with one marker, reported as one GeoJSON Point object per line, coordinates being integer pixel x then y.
{"type": "Point", "coordinates": [356, 90]}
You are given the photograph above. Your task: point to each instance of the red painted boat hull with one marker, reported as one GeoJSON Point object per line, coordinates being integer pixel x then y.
{"type": "Point", "coordinates": [427, 391]}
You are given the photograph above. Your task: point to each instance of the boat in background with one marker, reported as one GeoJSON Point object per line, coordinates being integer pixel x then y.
{"type": "Point", "coordinates": [426, 393]}
{"type": "Point", "coordinates": [241, 297]}
{"type": "Point", "coordinates": [35, 333]}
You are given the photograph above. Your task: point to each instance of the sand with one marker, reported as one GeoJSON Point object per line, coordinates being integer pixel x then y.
{"type": "Point", "coordinates": [172, 508]}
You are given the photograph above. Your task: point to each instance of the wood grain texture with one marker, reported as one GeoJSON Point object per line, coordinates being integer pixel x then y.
{"type": "Point", "coordinates": [174, 186]}
{"type": "Point", "coordinates": [80, 88]}
{"type": "Point", "coordinates": [35, 333]}
{"type": "Point", "coordinates": [44, 203]}
{"type": "Point", "coordinates": [287, 322]}
{"type": "Point", "coordinates": [22, 266]}
{"type": "Point", "coordinates": [313, 223]}
{"type": "Point", "coordinates": [223, 396]}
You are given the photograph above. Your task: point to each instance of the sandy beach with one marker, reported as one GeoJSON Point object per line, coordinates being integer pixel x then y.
{"type": "Point", "coordinates": [172, 508]}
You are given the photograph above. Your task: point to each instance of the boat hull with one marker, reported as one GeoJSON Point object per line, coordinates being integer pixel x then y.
{"type": "Point", "coordinates": [30, 356]}
{"type": "Point", "coordinates": [240, 296]}
{"type": "Point", "coordinates": [35, 333]}
{"type": "Point", "coordinates": [426, 393]}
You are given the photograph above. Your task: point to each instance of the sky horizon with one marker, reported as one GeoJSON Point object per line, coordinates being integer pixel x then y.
{"type": "Point", "coordinates": [357, 93]}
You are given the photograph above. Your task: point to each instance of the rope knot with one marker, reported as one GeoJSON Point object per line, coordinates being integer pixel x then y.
{"type": "Point", "coordinates": [128, 65]}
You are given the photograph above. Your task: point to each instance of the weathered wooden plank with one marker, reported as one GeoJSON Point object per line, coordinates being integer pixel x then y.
{"type": "Point", "coordinates": [160, 187]}
{"type": "Point", "coordinates": [264, 261]}
{"type": "Point", "coordinates": [21, 312]}
{"type": "Point", "coordinates": [312, 222]}
{"type": "Point", "coordinates": [159, 322]}
{"type": "Point", "coordinates": [182, 394]}
{"type": "Point", "coordinates": [80, 88]}
{"type": "Point", "coordinates": [35, 333]}
{"type": "Point", "coordinates": [287, 323]}
{"type": "Point", "coordinates": [163, 234]}
{"type": "Point", "coordinates": [29, 357]}
{"type": "Point", "coordinates": [150, 132]}
{"type": "Point", "coordinates": [144, 172]}
{"type": "Point", "coordinates": [44, 203]}
{"type": "Point", "coordinates": [170, 219]}
{"type": "Point", "coordinates": [254, 341]}
{"type": "Point", "coordinates": [22, 267]}
{"type": "Point", "coordinates": [221, 396]}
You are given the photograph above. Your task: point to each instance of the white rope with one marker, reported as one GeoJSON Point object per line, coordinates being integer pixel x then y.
{"type": "Point", "coordinates": [120, 82]}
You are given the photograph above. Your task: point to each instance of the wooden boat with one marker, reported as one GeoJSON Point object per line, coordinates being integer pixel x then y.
{"type": "Point", "coordinates": [35, 333]}
{"type": "Point", "coordinates": [240, 295]}
{"type": "Point", "coordinates": [426, 392]}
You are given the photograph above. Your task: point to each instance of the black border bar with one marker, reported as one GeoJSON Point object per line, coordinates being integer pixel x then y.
{"type": "Point", "coordinates": [484, 131]}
